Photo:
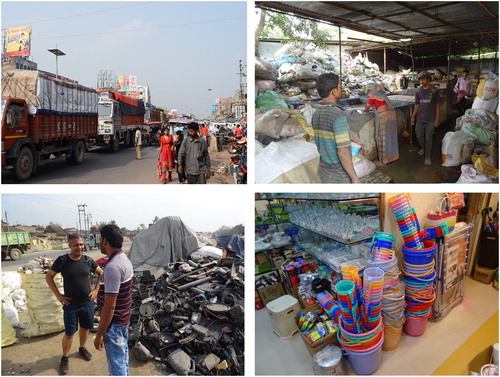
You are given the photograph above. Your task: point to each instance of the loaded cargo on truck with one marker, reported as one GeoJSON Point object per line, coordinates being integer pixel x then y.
{"type": "Point", "coordinates": [119, 116]}
{"type": "Point", "coordinates": [43, 119]}
{"type": "Point", "coordinates": [15, 244]}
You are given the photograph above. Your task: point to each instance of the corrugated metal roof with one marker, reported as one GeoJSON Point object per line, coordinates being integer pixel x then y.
{"type": "Point", "coordinates": [434, 27]}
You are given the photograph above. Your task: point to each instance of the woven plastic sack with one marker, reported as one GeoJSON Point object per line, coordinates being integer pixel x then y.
{"type": "Point", "coordinates": [490, 89]}
{"type": "Point", "coordinates": [271, 123]}
{"type": "Point", "coordinates": [270, 100]}
{"type": "Point", "coordinates": [45, 311]}
{"type": "Point", "coordinates": [8, 332]}
{"type": "Point", "coordinates": [459, 149]}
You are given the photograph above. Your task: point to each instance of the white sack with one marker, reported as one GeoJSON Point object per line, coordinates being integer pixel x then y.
{"type": "Point", "coordinates": [459, 150]}
{"type": "Point", "coordinates": [490, 105]}
{"type": "Point", "coordinates": [271, 123]}
{"type": "Point", "coordinates": [280, 157]}
{"type": "Point", "coordinates": [490, 89]}
{"type": "Point", "coordinates": [45, 310]}
{"type": "Point", "coordinates": [445, 145]}
{"type": "Point", "coordinates": [11, 279]}
{"type": "Point", "coordinates": [12, 314]}
{"type": "Point", "coordinates": [471, 175]}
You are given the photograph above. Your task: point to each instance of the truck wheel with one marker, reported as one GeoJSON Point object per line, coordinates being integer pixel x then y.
{"type": "Point", "coordinates": [15, 253]}
{"type": "Point", "coordinates": [24, 164]}
{"type": "Point", "coordinates": [127, 138]}
{"type": "Point", "coordinates": [115, 144]}
{"type": "Point", "coordinates": [78, 154]}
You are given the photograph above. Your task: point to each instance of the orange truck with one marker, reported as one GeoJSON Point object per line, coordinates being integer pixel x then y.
{"type": "Point", "coordinates": [43, 119]}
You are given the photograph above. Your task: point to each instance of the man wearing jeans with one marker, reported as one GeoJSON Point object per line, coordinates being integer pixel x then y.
{"type": "Point", "coordinates": [78, 298]}
{"type": "Point", "coordinates": [426, 114]}
{"type": "Point", "coordinates": [114, 301]}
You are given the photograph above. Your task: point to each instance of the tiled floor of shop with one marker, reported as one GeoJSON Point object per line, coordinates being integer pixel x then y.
{"type": "Point", "coordinates": [444, 348]}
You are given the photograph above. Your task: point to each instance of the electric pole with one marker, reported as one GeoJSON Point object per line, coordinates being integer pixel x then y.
{"type": "Point", "coordinates": [81, 208]}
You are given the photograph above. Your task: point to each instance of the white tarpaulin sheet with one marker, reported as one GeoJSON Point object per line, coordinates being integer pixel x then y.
{"type": "Point", "coordinates": [48, 94]}
{"type": "Point", "coordinates": [167, 241]}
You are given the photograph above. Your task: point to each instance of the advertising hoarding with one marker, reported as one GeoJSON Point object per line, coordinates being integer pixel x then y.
{"type": "Point", "coordinates": [18, 41]}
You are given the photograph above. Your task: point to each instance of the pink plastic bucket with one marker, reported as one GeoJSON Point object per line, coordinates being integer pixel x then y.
{"type": "Point", "coordinates": [415, 326]}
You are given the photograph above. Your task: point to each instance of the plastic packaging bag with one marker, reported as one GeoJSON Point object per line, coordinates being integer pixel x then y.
{"type": "Point", "coordinates": [363, 166]}
{"type": "Point", "coordinates": [270, 100]}
{"type": "Point", "coordinates": [471, 175]}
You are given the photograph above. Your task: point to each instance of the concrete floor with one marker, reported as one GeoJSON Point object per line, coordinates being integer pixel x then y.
{"type": "Point", "coordinates": [410, 167]}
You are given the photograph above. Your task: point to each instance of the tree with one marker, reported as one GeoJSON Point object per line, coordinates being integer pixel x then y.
{"type": "Point", "coordinates": [291, 29]}
{"type": "Point", "coordinates": [156, 219]}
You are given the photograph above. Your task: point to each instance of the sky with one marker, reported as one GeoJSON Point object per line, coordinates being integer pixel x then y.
{"type": "Point", "coordinates": [202, 213]}
{"type": "Point", "coordinates": [179, 49]}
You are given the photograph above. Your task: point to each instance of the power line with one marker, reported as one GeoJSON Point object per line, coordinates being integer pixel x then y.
{"type": "Point", "coordinates": [85, 14]}
{"type": "Point", "coordinates": [145, 29]}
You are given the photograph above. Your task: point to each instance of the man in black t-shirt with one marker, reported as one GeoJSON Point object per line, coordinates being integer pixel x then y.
{"type": "Point", "coordinates": [78, 298]}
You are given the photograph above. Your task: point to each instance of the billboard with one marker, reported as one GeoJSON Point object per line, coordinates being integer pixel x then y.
{"type": "Point", "coordinates": [18, 41]}
{"type": "Point", "coordinates": [127, 83]}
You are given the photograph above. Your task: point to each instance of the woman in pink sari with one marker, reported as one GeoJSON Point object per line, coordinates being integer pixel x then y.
{"type": "Point", "coordinates": [166, 157]}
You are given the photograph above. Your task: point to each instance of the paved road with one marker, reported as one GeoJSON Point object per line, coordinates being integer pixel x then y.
{"type": "Point", "coordinates": [102, 166]}
{"type": "Point", "coordinates": [10, 265]}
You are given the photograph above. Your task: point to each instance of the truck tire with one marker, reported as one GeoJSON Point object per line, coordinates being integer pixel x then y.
{"type": "Point", "coordinates": [24, 164]}
{"type": "Point", "coordinates": [127, 138]}
{"type": "Point", "coordinates": [15, 253]}
{"type": "Point", "coordinates": [78, 154]}
{"type": "Point", "coordinates": [115, 144]}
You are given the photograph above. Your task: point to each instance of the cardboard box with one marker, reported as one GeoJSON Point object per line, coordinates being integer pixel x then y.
{"type": "Point", "coordinates": [261, 257]}
{"type": "Point", "coordinates": [483, 274]}
{"type": "Point", "coordinates": [482, 358]}
{"type": "Point", "coordinates": [271, 292]}
{"type": "Point", "coordinates": [319, 344]}
{"type": "Point", "coordinates": [293, 291]}
{"type": "Point", "coordinates": [308, 308]}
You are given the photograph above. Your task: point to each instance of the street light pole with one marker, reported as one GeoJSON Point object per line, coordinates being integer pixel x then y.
{"type": "Point", "coordinates": [57, 53]}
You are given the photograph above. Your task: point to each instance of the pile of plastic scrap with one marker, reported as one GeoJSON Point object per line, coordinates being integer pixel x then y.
{"type": "Point", "coordinates": [298, 66]}
{"type": "Point", "coordinates": [189, 316]}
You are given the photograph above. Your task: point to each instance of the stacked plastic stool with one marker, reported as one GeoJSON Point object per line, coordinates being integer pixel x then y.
{"type": "Point", "coordinates": [283, 313]}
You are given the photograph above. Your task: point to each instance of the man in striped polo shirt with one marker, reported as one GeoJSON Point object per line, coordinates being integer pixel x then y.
{"type": "Point", "coordinates": [331, 134]}
{"type": "Point", "coordinates": [114, 301]}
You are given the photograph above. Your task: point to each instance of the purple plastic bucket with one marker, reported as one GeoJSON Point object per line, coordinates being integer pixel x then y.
{"type": "Point", "coordinates": [366, 362]}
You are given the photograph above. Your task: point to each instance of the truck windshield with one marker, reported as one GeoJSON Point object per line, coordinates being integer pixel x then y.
{"type": "Point", "coordinates": [104, 109]}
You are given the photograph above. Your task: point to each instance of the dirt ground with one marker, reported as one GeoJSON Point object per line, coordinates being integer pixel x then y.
{"type": "Point", "coordinates": [41, 356]}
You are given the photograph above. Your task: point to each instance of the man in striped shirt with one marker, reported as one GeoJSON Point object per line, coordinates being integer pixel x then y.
{"type": "Point", "coordinates": [114, 301]}
{"type": "Point", "coordinates": [331, 134]}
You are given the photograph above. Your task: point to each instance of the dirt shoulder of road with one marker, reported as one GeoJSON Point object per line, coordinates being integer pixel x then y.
{"type": "Point", "coordinates": [41, 356]}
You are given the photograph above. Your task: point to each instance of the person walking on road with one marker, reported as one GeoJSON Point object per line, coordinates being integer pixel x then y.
{"type": "Point", "coordinates": [138, 143]}
{"type": "Point", "coordinates": [114, 301]}
{"type": "Point", "coordinates": [78, 298]}
{"type": "Point", "coordinates": [193, 155]}
{"type": "Point", "coordinates": [426, 115]}
{"type": "Point", "coordinates": [166, 156]}
{"type": "Point", "coordinates": [178, 142]}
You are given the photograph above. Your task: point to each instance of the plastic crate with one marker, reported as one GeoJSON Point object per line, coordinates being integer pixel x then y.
{"type": "Point", "coordinates": [283, 313]}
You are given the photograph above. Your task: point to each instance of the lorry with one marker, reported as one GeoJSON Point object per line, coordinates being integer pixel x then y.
{"type": "Point", "coordinates": [119, 116]}
{"type": "Point", "coordinates": [155, 119]}
{"type": "Point", "coordinates": [15, 244]}
{"type": "Point", "coordinates": [43, 119]}
{"type": "Point", "coordinates": [91, 240]}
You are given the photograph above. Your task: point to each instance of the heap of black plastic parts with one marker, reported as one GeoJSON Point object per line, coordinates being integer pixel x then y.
{"type": "Point", "coordinates": [190, 317]}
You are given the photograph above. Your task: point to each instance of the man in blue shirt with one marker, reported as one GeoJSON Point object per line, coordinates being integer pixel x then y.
{"type": "Point", "coordinates": [426, 115]}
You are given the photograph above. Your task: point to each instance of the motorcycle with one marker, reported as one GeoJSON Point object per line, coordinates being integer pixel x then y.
{"type": "Point", "coordinates": [236, 144]}
{"type": "Point", "coordinates": [239, 166]}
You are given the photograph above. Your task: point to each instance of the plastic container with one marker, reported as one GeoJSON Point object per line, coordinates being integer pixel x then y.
{"type": "Point", "coordinates": [420, 257]}
{"type": "Point", "coordinates": [329, 361]}
{"type": "Point", "coordinates": [415, 326]}
{"type": "Point", "coordinates": [282, 313]}
{"type": "Point", "coordinates": [392, 336]}
{"type": "Point", "coordinates": [366, 362]}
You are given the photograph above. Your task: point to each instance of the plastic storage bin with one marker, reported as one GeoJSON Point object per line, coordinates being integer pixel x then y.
{"type": "Point", "coordinates": [283, 313]}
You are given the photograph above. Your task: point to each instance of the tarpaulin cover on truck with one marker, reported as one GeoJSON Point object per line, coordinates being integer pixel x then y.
{"type": "Point", "coordinates": [129, 105]}
{"type": "Point", "coordinates": [166, 241]}
{"type": "Point", "coordinates": [45, 94]}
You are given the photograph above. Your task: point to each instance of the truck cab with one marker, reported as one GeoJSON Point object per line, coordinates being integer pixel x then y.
{"type": "Point", "coordinates": [109, 120]}
{"type": "Point", "coordinates": [14, 127]}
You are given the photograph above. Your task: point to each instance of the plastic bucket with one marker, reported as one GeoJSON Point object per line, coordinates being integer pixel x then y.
{"type": "Point", "coordinates": [392, 336]}
{"type": "Point", "coordinates": [366, 362]}
{"type": "Point", "coordinates": [420, 257]}
{"type": "Point", "coordinates": [415, 326]}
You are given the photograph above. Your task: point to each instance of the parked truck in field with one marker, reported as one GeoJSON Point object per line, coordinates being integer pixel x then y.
{"type": "Point", "coordinates": [44, 119]}
{"type": "Point", "coordinates": [119, 116]}
{"type": "Point", "coordinates": [15, 244]}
